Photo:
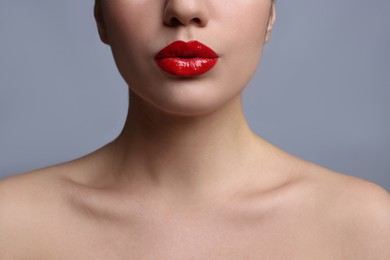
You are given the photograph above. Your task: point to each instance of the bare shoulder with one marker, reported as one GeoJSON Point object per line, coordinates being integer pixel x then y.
{"type": "Point", "coordinates": [358, 209]}
{"type": "Point", "coordinates": [20, 191]}
{"type": "Point", "coordinates": [28, 203]}
{"type": "Point", "coordinates": [359, 196]}
{"type": "Point", "coordinates": [31, 186]}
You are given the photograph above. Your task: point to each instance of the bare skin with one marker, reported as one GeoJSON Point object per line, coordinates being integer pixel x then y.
{"type": "Point", "coordinates": [265, 205]}
{"type": "Point", "coordinates": [187, 178]}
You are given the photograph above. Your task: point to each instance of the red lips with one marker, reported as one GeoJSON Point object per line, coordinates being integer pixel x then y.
{"type": "Point", "coordinates": [186, 59]}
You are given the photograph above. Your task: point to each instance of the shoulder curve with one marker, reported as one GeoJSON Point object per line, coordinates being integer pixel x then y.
{"type": "Point", "coordinates": [17, 192]}
{"type": "Point", "coordinates": [12, 209]}
{"type": "Point", "coordinates": [363, 191]}
{"type": "Point", "coordinates": [24, 203]}
{"type": "Point", "coordinates": [21, 193]}
{"type": "Point", "coordinates": [355, 211]}
{"type": "Point", "coordinates": [353, 193]}
{"type": "Point", "coordinates": [363, 215]}
{"type": "Point", "coordinates": [373, 221]}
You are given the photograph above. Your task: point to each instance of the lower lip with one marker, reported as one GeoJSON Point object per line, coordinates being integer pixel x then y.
{"type": "Point", "coordinates": [186, 67]}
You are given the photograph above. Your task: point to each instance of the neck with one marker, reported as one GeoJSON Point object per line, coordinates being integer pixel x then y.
{"type": "Point", "coordinates": [186, 153]}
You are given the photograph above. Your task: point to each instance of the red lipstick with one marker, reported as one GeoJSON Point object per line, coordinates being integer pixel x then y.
{"type": "Point", "coordinates": [186, 59]}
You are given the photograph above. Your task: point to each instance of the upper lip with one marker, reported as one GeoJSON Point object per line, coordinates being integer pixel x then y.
{"type": "Point", "coordinates": [181, 49]}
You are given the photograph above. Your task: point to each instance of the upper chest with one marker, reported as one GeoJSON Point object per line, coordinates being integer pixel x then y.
{"type": "Point", "coordinates": [229, 233]}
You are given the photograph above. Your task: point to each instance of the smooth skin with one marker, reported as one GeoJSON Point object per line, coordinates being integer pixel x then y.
{"type": "Point", "coordinates": [187, 178]}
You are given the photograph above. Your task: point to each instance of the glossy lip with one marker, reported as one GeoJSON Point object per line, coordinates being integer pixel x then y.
{"type": "Point", "coordinates": [186, 59]}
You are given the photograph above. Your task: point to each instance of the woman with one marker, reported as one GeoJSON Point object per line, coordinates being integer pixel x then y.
{"type": "Point", "coordinates": [187, 178]}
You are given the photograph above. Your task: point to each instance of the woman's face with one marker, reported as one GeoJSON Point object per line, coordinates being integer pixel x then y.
{"type": "Point", "coordinates": [137, 30]}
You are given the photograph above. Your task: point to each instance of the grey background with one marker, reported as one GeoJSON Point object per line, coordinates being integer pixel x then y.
{"type": "Point", "coordinates": [322, 91]}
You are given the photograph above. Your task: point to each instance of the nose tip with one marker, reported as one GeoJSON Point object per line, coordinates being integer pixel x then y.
{"type": "Point", "coordinates": [185, 12]}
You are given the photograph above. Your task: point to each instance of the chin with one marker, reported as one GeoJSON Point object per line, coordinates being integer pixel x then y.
{"type": "Point", "coordinates": [197, 96]}
{"type": "Point", "coordinates": [187, 109]}
{"type": "Point", "coordinates": [191, 101]}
